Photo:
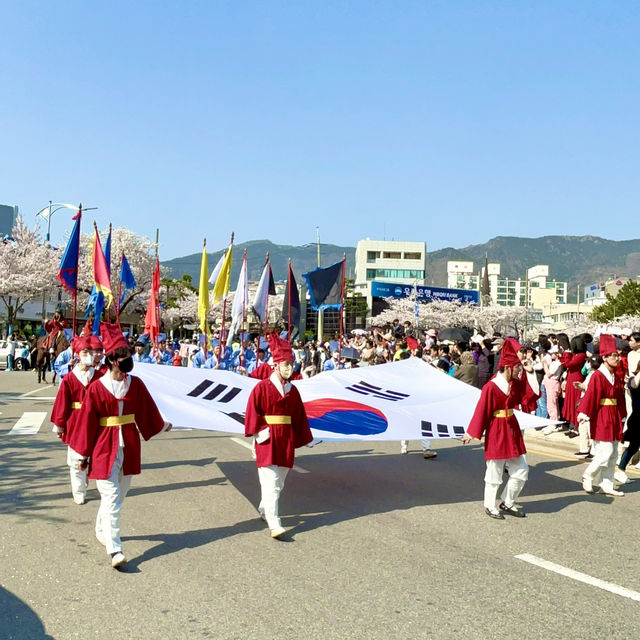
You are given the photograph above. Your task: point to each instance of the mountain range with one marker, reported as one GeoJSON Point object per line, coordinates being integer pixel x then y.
{"type": "Point", "coordinates": [579, 260]}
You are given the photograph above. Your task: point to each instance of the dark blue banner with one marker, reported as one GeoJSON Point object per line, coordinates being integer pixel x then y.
{"type": "Point", "coordinates": [425, 294]}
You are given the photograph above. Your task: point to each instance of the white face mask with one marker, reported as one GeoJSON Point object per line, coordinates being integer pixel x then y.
{"type": "Point", "coordinates": [286, 370]}
{"type": "Point", "coordinates": [86, 360]}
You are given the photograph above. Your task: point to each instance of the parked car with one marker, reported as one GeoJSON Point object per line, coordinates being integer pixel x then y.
{"type": "Point", "coordinates": [19, 363]}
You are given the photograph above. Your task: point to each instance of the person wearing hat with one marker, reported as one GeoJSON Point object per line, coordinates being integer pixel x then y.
{"type": "Point", "coordinates": [139, 355]}
{"type": "Point", "coordinates": [504, 447]}
{"type": "Point", "coordinates": [216, 360]}
{"type": "Point", "coordinates": [164, 355]}
{"type": "Point", "coordinates": [277, 421]}
{"type": "Point", "coordinates": [66, 410]}
{"type": "Point", "coordinates": [116, 410]}
{"type": "Point", "coordinates": [603, 405]}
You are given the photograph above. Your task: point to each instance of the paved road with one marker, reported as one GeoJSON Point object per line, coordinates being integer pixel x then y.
{"type": "Point", "coordinates": [380, 545]}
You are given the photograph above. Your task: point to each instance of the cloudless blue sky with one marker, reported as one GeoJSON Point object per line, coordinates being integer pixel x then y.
{"type": "Point", "coordinates": [449, 122]}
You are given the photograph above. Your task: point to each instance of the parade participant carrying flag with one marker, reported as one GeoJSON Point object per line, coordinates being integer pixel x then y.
{"type": "Point", "coordinates": [503, 442]}
{"type": "Point", "coordinates": [276, 419]}
{"type": "Point", "coordinates": [116, 410]}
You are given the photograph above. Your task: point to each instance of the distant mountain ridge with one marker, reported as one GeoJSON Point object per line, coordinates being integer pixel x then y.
{"type": "Point", "coordinates": [580, 260]}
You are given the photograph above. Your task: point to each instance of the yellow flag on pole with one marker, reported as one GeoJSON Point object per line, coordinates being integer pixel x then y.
{"type": "Point", "coordinates": [203, 292]}
{"type": "Point", "coordinates": [221, 288]}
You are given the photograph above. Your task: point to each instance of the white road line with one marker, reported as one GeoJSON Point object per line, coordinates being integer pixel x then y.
{"type": "Point", "coordinates": [29, 423]}
{"type": "Point", "coordinates": [580, 577]}
{"type": "Point", "coordinates": [246, 445]}
{"type": "Point", "coordinates": [30, 393]}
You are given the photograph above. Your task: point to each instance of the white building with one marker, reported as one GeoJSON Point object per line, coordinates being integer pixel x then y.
{"type": "Point", "coordinates": [389, 261]}
{"type": "Point", "coordinates": [509, 292]}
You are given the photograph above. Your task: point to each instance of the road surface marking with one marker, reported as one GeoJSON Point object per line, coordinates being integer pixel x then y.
{"type": "Point", "coordinates": [30, 393]}
{"type": "Point", "coordinates": [29, 423]}
{"type": "Point", "coordinates": [246, 445]}
{"type": "Point", "coordinates": [580, 577]}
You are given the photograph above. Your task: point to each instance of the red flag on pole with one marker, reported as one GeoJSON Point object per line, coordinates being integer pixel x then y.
{"type": "Point", "coordinates": [152, 318]}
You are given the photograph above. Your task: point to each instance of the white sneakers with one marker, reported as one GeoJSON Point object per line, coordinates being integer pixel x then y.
{"type": "Point", "coordinates": [79, 499]}
{"type": "Point", "coordinates": [587, 485]}
{"type": "Point", "coordinates": [612, 492]}
{"type": "Point", "coordinates": [277, 532]}
{"type": "Point", "coordinates": [621, 477]}
{"type": "Point", "coordinates": [118, 559]}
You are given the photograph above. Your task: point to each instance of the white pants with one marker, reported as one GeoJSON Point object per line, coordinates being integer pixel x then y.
{"type": "Point", "coordinates": [78, 478]}
{"type": "Point", "coordinates": [426, 445]}
{"type": "Point", "coordinates": [271, 484]}
{"type": "Point", "coordinates": [603, 464]}
{"type": "Point", "coordinates": [584, 432]}
{"type": "Point", "coordinates": [518, 473]}
{"type": "Point", "coordinates": [112, 493]}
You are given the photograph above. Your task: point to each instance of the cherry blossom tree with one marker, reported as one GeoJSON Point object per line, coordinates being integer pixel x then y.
{"type": "Point", "coordinates": [28, 268]}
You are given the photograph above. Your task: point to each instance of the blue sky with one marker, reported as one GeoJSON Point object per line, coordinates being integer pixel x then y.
{"type": "Point", "coordinates": [449, 122]}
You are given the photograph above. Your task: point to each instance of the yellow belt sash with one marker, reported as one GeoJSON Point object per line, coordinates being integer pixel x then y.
{"type": "Point", "coordinates": [277, 419]}
{"type": "Point", "coordinates": [503, 414]}
{"type": "Point", "coordinates": [116, 421]}
{"type": "Point", "coordinates": [76, 405]}
{"type": "Point", "coordinates": [608, 402]}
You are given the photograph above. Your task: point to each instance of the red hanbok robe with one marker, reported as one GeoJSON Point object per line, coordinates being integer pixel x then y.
{"type": "Point", "coordinates": [66, 407]}
{"type": "Point", "coordinates": [99, 441]}
{"type": "Point", "coordinates": [287, 421]}
{"type": "Point", "coordinates": [573, 365]}
{"type": "Point", "coordinates": [502, 434]}
{"type": "Point", "coordinates": [529, 401]}
{"type": "Point", "coordinates": [603, 403]}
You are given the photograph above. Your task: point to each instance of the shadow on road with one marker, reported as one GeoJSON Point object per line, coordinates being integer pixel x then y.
{"type": "Point", "coordinates": [18, 620]}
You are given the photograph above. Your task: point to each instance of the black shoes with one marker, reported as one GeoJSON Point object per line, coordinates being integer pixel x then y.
{"type": "Point", "coordinates": [497, 515]}
{"type": "Point", "coordinates": [512, 511]}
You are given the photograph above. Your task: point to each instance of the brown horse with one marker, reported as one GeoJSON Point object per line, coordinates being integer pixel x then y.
{"type": "Point", "coordinates": [59, 343]}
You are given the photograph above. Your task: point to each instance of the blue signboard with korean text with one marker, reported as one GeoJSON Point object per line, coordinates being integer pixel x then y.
{"type": "Point", "coordinates": [424, 294]}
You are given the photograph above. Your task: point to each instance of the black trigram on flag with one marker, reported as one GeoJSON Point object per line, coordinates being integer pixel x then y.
{"type": "Point", "coordinates": [441, 431]}
{"type": "Point", "coordinates": [215, 392]}
{"type": "Point", "coordinates": [366, 389]}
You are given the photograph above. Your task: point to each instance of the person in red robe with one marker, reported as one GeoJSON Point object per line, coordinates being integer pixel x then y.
{"type": "Point", "coordinates": [277, 421]}
{"type": "Point", "coordinates": [603, 405]}
{"type": "Point", "coordinates": [66, 409]}
{"type": "Point", "coordinates": [504, 447]}
{"type": "Point", "coordinates": [529, 402]}
{"type": "Point", "coordinates": [117, 409]}
{"type": "Point", "coordinates": [573, 361]}
{"type": "Point", "coordinates": [52, 327]}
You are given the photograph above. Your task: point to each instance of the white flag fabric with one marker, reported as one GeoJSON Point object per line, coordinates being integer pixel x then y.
{"type": "Point", "coordinates": [240, 300]}
{"type": "Point", "coordinates": [216, 270]}
{"type": "Point", "coordinates": [262, 294]}
{"type": "Point", "coordinates": [402, 400]}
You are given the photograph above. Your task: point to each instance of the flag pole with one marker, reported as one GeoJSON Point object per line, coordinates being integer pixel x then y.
{"type": "Point", "coordinates": [157, 296]}
{"type": "Point", "coordinates": [344, 267]}
{"type": "Point", "coordinates": [119, 290]}
{"type": "Point", "coordinates": [266, 307]}
{"type": "Point", "coordinates": [289, 301]}
{"type": "Point", "coordinates": [244, 308]}
{"type": "Point", "coordinates": [109, 238]}
{"type": "Point", "coordinates": [206, 325]}
{"type": "Point", "coordinates": [223, 337]}
{"type": "Point", "coordinates": [75, 291]}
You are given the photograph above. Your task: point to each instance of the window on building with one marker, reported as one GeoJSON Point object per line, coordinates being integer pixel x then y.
{"type": "Point", "coordinates": [412, 255]}
{"type": "Point", "coordinates": [391, 255]}
{"type": "Point", "coordinates": [372, 256]}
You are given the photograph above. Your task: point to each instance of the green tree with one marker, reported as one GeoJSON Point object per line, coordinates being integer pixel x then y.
{"type": "Point", "coordinates": [627, 302]}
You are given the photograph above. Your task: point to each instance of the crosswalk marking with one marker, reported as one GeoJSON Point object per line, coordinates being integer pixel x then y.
{"type": "Point", "coordinates": [29, 423]}
{"type": "Point", "coordinates": [30, 393]}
